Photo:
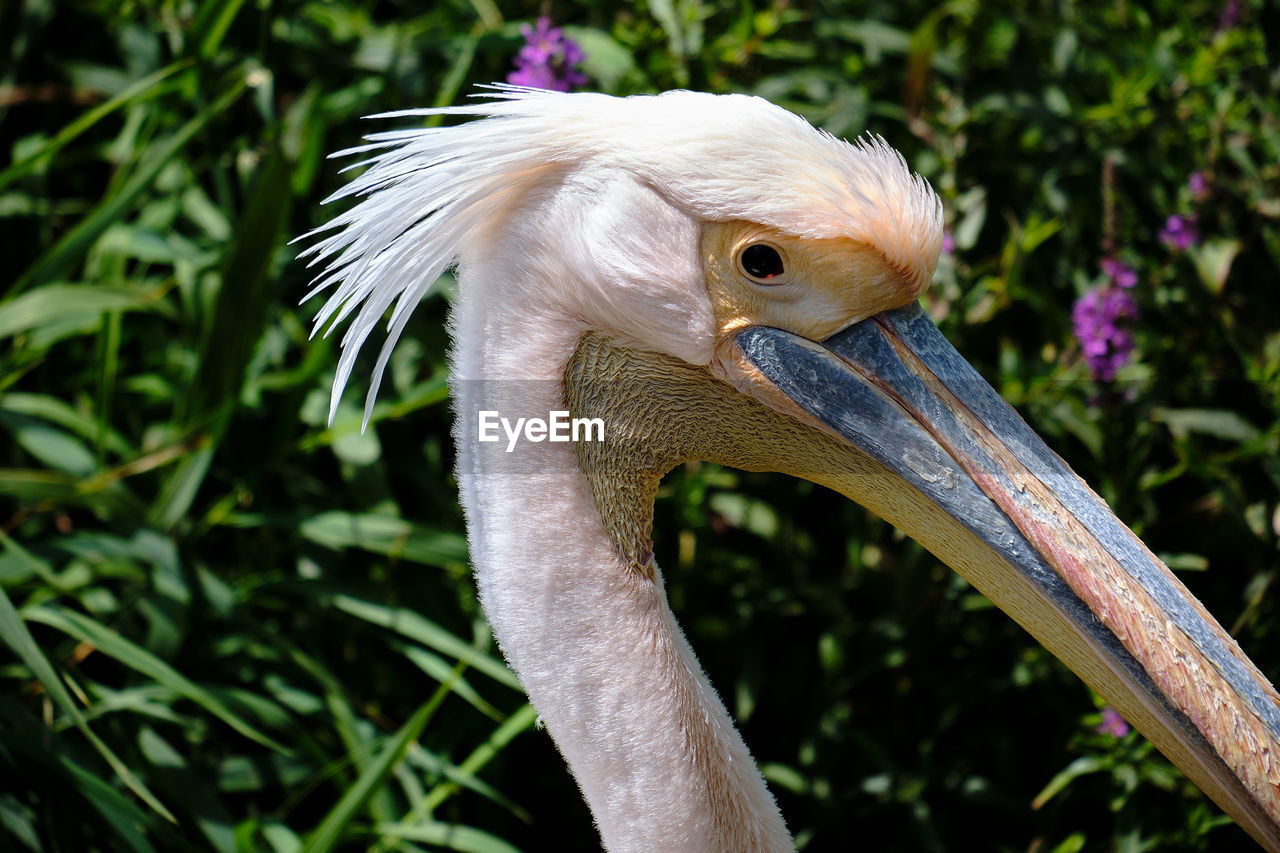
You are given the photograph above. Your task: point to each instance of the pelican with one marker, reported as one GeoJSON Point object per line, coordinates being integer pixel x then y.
{"type": "Point", "coordinates": [690, 276]}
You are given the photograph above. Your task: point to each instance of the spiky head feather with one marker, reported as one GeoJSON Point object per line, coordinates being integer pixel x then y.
{"type": "Point", "coordinates": [425, 192]}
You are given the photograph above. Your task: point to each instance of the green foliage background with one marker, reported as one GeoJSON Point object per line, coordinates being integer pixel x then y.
{"type": "Point", "coordinates": [228, 626]}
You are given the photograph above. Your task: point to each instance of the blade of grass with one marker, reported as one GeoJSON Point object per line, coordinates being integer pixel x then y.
{"type": "Point", "coordinates": [147, 87]}
{"type": "Point", "coordinates": [153, 702]}
{"type": "Point", "coordinates": [240, 310]}
{"type": "Point", "coordinates": [58, 261]}
{"type": "Point", "coordinates": [436, 766]}
{"type": "Point", "coordinates": [518, 722]}
{"type": "Point", "coordinates": [59, 413]}
{"type": "Point", "coordinates": [41, 568]}
{"type": "Point", "coordinates": [103, 490]}
{"type": "Point", "coordinates": [110, 362]}
{"type": "Point", "coordinates": [139, 659]}
{"type": "Point", "coordinates": [451, 836]}
{"type": "Point", "coordinates": [461, 65]}
{"type": "Point", "coordinates": [488, 13]}
{"type": "Point", "coordinates": [238, 317]}
{"type": "Point", "coordinates": [415, 627]}
{"type": "Point", "coordinates": [179, 489]}
{"type": "Point", "coordinates": [48, 489]}
{"type": "Point", "coordinates": [438, 668]}
{"type": "Point", "coordinates": [344, 720]}
{"type": "Point", "coordinates": [13, 631]}
{"type": "Point", "coordinates": [335, 823]}
{"type": "Point", "coordinates": [123, 816]}
{"type": "Point", "coordinates": [56, 303]}
{"type": "Point", "coordinates": [188, 787]}
{"type": "Point", "coordinates": [427, 393]}
{"type": "Point", "coordinates": [1083, 765]}
{"type": "Point", "coordinates": [211, 25]}
{"type": "Point", "coordinates": [387, 535]}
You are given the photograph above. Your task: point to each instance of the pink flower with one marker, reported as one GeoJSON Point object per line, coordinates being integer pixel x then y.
{"type": "Point", "coordinates": [1180, 232]}
{"type": "Point", "coordinates": [1100, 320]}
{"type": "Point", "coordinates": [1112, 723]}
{"type": "Point", "coordinates": [1199, 186]}
{"type": "Point", "coordinates": [1121, 274]}
{"type": "Point", "coordinates": [1229, 16]}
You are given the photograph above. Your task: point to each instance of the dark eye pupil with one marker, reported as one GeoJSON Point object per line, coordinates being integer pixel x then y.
{"type": "Point", "coordinates": [761, 261]}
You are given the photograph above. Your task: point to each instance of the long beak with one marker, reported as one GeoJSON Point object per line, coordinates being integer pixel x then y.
{"type": "Point", "coordinates": [1035, 539]}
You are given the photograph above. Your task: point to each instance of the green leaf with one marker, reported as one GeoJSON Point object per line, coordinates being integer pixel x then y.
{"type": "Point", "coordinates": [350, 418]}
{"type": "Point", "coordinates": [1073, 843]}
{"type": "Point", "coordinates": [973, 206]}
{"type": "Point", "coordinates": [1082, 766]}
{"type": "Point", "coordinates": [76, 303]}
{"type": "Point", "coordinates": [786, 777]}
{"type": "Point", "coordinates": [604, 60]}
{"type": "Point", "coordinates": [238, 774]}
{"type": "Point", "coordinates": [203, 212]}
{"type": "Point", "coordinates": [442, 671]}
{"type": "Point", "coordinates": [665, 12]}
{"type": "Point", "coordinates": [211, 25]}
{"type": "Point", "coordinates": [281, 838]}
{"type": "Point", "coordinates": [410, 624]}
{"type": "Point", "coordinates": [740, 511]}
{"type": "Point", "coordinates": [189, 789]}
{"type": "Point", "coordinates": [150, 245]}
{"type": "Point", "coordinates": [876, 38]}
{"type": "Point", "coordinates": [51, 446]}
{"type": "Point", "coordinates": [151, 701]}
{"type": "Point", "coordinates": [19, 822]}
{"type": "Point", "coordinates": [488, 13]}
{"type": "Point", "coordinates": [335, 823]}
{"type": "Point", "coordinates": [14, 633]}
{"type": "Point", "coordinates": [438, 766]}
{"type": "Point", "coordinates": [139, 659]}
{"type": "Point", "coordinates": [521, 721]}
{"type": "Point", "coordinates": [1213, 259]}
{"type": "Point", "coordinates": [122, 815]}
{"type": "Point", "coordinates": [387, 535]}
{"type": "Point", "coordinates": [1219, 423]}
{"type": "Point", "coordinates": [357, 448]}
{"type": "Point", "coordinates": [180, 488]}
{"type": "Point", "coordinates": [240, 310]}
{"type": "Point", "coordinates": [450, 836]}
{"type": "Point", "coordinates": [59, 260]}
{"type": "Point", "coordinates": [1185, 562]}
{"type": "Point", "coordinates": [57, 412]}
{"type": "Point", "coordinates": [145, 88]}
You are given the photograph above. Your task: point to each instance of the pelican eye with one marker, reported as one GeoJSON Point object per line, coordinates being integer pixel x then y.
{"type": "Point", "coordinates": [761, 262]}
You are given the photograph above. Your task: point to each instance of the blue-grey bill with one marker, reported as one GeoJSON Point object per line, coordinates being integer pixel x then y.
{"type": "Point", "coordinates": [895, 388]}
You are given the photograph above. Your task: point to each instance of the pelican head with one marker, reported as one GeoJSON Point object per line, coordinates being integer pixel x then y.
{"type": "Point", "coordinates": [709, 277]}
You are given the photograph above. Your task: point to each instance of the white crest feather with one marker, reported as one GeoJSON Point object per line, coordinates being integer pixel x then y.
{"type": "Point", "coordinates": [717, 157]}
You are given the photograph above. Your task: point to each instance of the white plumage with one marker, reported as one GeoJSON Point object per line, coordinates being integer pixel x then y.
{"type": "Point", "coordinates": [574, 214]}
{"type": "Point", "coordinates": [567, 214]}
{"type": "Point", "coordinates": [427, 192]}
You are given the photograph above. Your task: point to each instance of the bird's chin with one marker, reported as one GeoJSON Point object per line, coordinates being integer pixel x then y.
{"type": "Point", "coordinates": [1038, 541]}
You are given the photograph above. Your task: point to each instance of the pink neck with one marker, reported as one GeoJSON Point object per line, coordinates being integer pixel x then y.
{"type": "Point", "coordinates": [594, 644]}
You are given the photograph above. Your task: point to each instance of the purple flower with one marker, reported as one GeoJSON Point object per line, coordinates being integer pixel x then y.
{"type": "Point", "coordinates": [1121, 274]}
{"type": "Point", "coordinates": [948, 243]}
{"type": "Point", "coordinates": [1100, 319]}
{"type": "Point", "coordinates": [1179, 232]}
{"type": "Point", "coordinates": [548, 59]}
{"type": "Point", "coordinates": [1229, 16]}
{"type": "Point", "coordinates": [1112, 723]}
{"type": "Point", "coordinates": [1199, 186]}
